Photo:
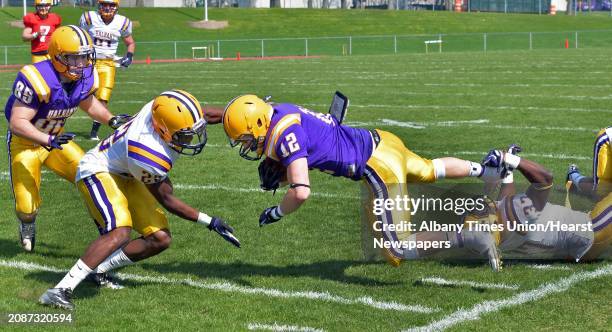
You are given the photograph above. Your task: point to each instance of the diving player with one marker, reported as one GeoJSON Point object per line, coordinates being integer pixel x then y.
{"type": "Point", "coordinates": [106, 28]}
{"type": "Point", "coordinates": [599, 188]}
{"type": "Point", "coordinates": [44, 96]}
{"type": "Point", "coordinates": [301, 139]}
{"type": "Point", "coordinates": [39, 26]}
{"type": "Point", "coordinates": [123, 179]}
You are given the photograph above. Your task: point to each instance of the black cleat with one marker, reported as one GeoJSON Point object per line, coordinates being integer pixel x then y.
{"type": "Point", "coordinates": [58, 297]}
{"type": "Point", "coordinates": [27, 235]}
{"type": "Point", "coordinates": [104, 280]}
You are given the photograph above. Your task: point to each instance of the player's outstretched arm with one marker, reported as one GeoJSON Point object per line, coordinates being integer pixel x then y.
{"type": "Point", "coordinates": [298, 193]}
{"type": "Point", "coordinates": [541, 181]}
{"type": "Point", "coordinates": [213, 114]}
{"type": "Point", "coordinates": [164, 194]}
{"type": "Point", "coordinates": [95, 109]}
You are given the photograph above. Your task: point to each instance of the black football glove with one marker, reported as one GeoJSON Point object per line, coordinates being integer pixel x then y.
{"type": "Point", "coordinates": [118, 120]}
{"type": "Point", "coordinates": [268, 216]}
{"type": "Point", "coordinates": [56, 142]}
{"type": "Point", "coordinates": [270, 174]}
{"type": "Point", "coordinates": [126, 61]}
{"type": "Point", "coordinates": [223, 229]}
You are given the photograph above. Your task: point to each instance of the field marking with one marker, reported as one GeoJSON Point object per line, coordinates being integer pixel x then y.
{"type": "Point", "coordinates": [474, 313]}
{"type": "Point", "coordinates": [465, 123]}
{"type": "Point", "coordinates": [254, 190]}
{"type": "Point", "coordinates": [281, 328]}
{"type": "Point", "coordinates": [561, 156]}
{"type": "Point", "coordinates": [549, 267]}
{"type": "Point", "coordinates": [233, 288]}
{"type": "Point", "coordinates": [445, 282]}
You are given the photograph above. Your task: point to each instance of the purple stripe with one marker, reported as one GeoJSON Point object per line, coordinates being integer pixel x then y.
{"type": "Point", "coordinates": [373, 179]}
{"type": "Point", "coordinates": [105, 200]}
{"type": "Point", "coordinates": [88, 18]}
{"type": "Point", "coordinates": [146, 161]}
{"type": "Point", "coordinates": [98, 206]}
{"type": "Point", "coordinates": [9, 136]}
{"type": "Point", "coordinates": [601, 215]}
{"type": "Point", "coordinates": [123, 27]}
{"type": "Point", "coordinates": [151, 151]}
{"type": "Point", "coordinates": [602, 226]}
{"type": "Point", "coordinates": [598, 146]}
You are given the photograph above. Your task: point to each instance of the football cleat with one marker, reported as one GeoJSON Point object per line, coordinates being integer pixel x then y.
{"type": "Point", "coordinates": [571, 170]}
{"type": "Point", "coordinates": [58, 297]}
{"type": "Point", "coordinates": [483, 244]}
{"type": "Point", "coordinates": [27, 235]}
{"type": "Point", "coordinates": [104, 280]}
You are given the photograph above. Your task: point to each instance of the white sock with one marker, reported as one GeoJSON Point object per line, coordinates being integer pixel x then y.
{"type": "Point", "coordinates": [74, 277]}
{"type": "Point", "coordinates": [475, 169]}
{"type": "Point", "coordinates": [115, 260]}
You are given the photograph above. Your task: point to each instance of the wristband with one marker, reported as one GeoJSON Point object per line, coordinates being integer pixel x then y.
{"type": "Point", "coordinates": [204, 219]}
{"type": "Point", "coordinates": [512, 160]}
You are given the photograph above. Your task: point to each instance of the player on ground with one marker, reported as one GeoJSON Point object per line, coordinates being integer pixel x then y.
{"type": "Point", "coordinates": [106, 28]}
{"type": "Point", "coordinates": [39, 27]}
{"type": "Point", "coordinates": [123, 179]}
{"type": "Point", "coordinates": [44, 96]}
{"type": "Point", "coordinates": [301, 139]}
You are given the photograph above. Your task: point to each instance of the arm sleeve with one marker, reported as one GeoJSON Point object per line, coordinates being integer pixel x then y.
{"type": "Point", "coordinates": [83, 21]}
{"type": "Point", "coordinates": [24, 92]}
{"type": "Point", "coordinates": [126, 30]}
{"type": "Point", "coordinates": [291, 145]}
{"type": "Point", "coordinates": [27, 21]}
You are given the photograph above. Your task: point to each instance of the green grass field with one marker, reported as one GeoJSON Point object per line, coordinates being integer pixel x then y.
{"type": "Point", "coordinates": [372, 32]}
{"type": "Point", "coordinates": [551, 102]}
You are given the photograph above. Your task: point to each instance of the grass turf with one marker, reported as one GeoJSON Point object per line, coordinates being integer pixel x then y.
{"type": "Point", "coordinates": [550, 102]}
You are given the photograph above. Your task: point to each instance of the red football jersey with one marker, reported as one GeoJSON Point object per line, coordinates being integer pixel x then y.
{"type": "Point", "coordinates": [44, 27]}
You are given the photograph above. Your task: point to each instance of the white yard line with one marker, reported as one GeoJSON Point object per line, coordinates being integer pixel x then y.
{"type": "Point", "coordinates": [256, 190]}
{"type": "Point", "coordinates": [445, 282]}
{"type": "Point", "coordinates": [549, 267]}
{"type": "Point", "coordinates": [281, 328]}
{"type": "Point", "coordinates": [233, 288]}
{"type": "Point", "coordinates": [482, 154]}
{"type": "Point", "coordinates": [475, 313]}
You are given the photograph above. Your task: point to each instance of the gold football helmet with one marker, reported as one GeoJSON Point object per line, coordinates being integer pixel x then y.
{"type": "Point", "coordinates": [108, 8]}
{"type": "Point", "coordinates": [246, 121]}
{"type": "Point", "coordinates": [43, 7]}
{"type": "Point", "coordinates": [71, 51]}
{"type": "Point", "coordinates": [178, 119]}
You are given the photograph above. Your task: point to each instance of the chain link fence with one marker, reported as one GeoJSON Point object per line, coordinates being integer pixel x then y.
{"type": "Point", "coordinates": [351, 45]}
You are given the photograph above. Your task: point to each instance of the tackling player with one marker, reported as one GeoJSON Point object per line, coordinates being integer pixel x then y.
{"type": "Point", "coordinates": [44, 96]}
{"type": "Point", "coordinates": [301, 139]}
{"type": "Point", "coordinates": [599, 188]}
{"type": "Point", "coordinates": [39, 27]}
{"type": "Point", "coordinates": [106, 27]}
{"type": "Point", "coordinates": [123, 178]}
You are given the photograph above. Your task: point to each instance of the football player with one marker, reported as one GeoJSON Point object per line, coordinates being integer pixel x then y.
{"type": "Point", "coordinates": [300, 139]}
{"type": "Point", "coordinates": [44, 96]}
{"type": "Point", "coordinates": [106, 28]}
{"type": "Point", "coordinates": [39, 26]}
{"type": "Point", "coordinates": [123, 178]}
{"type": "Point", "coordinates": [599, 188]}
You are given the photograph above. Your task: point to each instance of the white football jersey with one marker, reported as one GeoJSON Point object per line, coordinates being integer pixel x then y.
{"type": "Point", "coordinates": [105, 36]}
{"type": "Point", "coordinates": [551, 241]}
{"type": "Point", "coordinates": [133, 150]}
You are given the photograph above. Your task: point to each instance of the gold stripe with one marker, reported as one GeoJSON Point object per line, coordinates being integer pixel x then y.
{"type": "Point", "coordinates": [280, 127]}
{"type": "Point", "coordinates": [88, 18]}
{"type": "Point", "coordinates": [38, 82]}
{"type": "Point", "coordinates": [96, 82]}
{"type": "Point", "coordinates": [150, 156]}
{"type": "Point", "coordinates": [126, 24]}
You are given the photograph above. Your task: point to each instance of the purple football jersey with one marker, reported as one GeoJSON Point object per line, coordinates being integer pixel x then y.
{"type": "Point", "coordinates": [39, 87]}
{"type": "Point", "coordinates": [296, 132]}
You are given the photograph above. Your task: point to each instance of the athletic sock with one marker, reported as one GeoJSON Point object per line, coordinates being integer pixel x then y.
{"type": "Point", "coordinates": [114, 261]}
{"type": "Point", "coordinates": [74, 277]}
{"type": "Point", "coordinates": [475, 169]}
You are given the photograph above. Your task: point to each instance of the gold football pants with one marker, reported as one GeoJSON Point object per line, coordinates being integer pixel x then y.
{"type": "Point", "coordinates": [106, 75]}
{"type": "Point", "coordinates": [116, 201]}
{"type": "Point", "coordinates": [26, 160]}
{"type": "Point", "coordinates": [388, 171]}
